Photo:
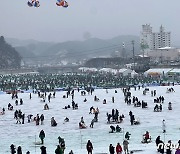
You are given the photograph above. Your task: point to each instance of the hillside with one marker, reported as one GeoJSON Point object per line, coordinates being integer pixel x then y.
{"type": "Point", "coordinates": [9, 57]}
{"type": "Point", "coordinates": [73, 51]}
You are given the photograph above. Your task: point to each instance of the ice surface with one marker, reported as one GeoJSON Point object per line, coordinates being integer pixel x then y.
{"type": "Point", "coordinates": [75, 138]}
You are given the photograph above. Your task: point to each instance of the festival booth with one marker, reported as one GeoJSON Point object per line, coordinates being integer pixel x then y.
{"type": "Point", "coordinates": [87, 69]}
{"type": "Point", "coordinates": [108, 70]}
{"type": "Point", "coordinates": [134, 74]}
{"type": "Point", "coordinates": [125, 72]}
{"type": "Point", "coordinates": [174, 73]}
{"type": "Point", "coordinates": [157, 72]}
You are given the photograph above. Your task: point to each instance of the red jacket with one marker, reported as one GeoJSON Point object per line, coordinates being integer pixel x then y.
{"type": "Point", "coordinates": [118, 148]}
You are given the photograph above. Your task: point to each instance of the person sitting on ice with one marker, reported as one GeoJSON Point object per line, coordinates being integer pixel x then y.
{"type": "Point", "coordinates": [118, 129]}
{"type": "Point", "coordinates": [82, 120]}
{"type": "Point", "coordinates": [10, 107]}
{"type": "Point", "coordinates": [46, 107]}
{"type": "Point", "coordinates": [76, 106]}
{"type": "Point", "coordinates": [85, 100]}
{"type": "Point", "coordinates": [29, 118]}
{"type": "Point", "coordinates": [66, 119]}
{"type": "Point", "coordinates": [146, 137]}
{"type": "Point", "coordinates": [136, 122]}
{"type": "Point", "coordinates": [82, 125]}
{"type": "Point", "coordinates": [127, 135]}
{"type": "Point", "coordinates": [112, 129]}
{"type": "Point", "coordinates": [144, 104]}
{"type": "Point", "coordinates": [91, 110]}
{"type": "Point", "coordinates": [60, 139]}
{"type": "Point", "coordinates": [66, 107]}
{"type": "Point", "coordinates": [95, 98]}
{"type": "Point", "coordinates": [170, 106]}
{"type": "Point", "coordinates": [120, 119]}
{"type": "Point", "coordinates": [53, 122]}
{"type": "Point", "coordinates": [3, 111]}
{"type": "Point", "coordinates": [156, 108]}
{"type": "Point", "coordinates": [104, 101]}
{"type": "Point", "coordinates": [144, 92]}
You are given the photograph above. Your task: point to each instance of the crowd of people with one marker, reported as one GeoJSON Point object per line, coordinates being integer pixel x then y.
{"type": "Point", "coordinates": [44, 87]}
{"type": "Point", "coordinates": [49, 82]}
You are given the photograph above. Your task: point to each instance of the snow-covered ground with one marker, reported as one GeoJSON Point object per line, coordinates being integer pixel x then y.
{"type": "Point", "coordinates": [75, 138]}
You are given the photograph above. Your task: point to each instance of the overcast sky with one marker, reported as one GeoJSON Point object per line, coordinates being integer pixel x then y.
{"type": "Point", "coordinates": [84, 18]}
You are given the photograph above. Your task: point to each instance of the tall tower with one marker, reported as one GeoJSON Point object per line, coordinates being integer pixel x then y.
{"type": "Point", "coordinates": [123, 52]}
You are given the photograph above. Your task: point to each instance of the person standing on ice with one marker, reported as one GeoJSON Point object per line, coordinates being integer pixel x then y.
{"type": "Point", "coordinates": [19, 150]}
{"type": "Point", "coordinates": [12, 149]}
{"type": "Point", "coordinates": [118, 149]}
{"type": "Point", "coordinates": [127, 135]}
{"type": "Point", "coordinates": [89, 147]}
{"type": "Point", "coordinates": [111, 149]}
{"type": "Point", "coordinates": [37, 119]}
{"type": "Point", "coordinates": [42, 119]}
{"type": "Point", "coordinates": [125, 146]}
{"type": "Point", "coordinates": [71, 152]}
{"type": "Point", "coordinates": [42, 136]}
{"type": "Point", "coordinates": [163, 126]}
{"type": "Point", "coordinates": [58, 150]}
{"type": "Point", "coordinates": [43, 150]}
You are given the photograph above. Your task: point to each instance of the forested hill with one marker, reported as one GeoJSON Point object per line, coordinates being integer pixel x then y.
{"type": "Point", "coordinates": [73, 51]}
{"type": "Point", "coordinates": [9, 57]}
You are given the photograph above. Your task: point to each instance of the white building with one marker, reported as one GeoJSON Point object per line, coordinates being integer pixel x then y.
{"type": "Point", "coordinates": [166, 54]}
{"type": "Point", "coordinates": [155, 40]}
{"type": "Point", "coordinates": [146, 36]}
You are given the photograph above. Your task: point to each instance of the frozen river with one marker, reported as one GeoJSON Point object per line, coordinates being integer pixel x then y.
{"type": "Point", "coordinates": [75, 138]}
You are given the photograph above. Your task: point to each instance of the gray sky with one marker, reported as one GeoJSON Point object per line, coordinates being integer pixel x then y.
{"type": "Point", "coordinates": [84, 18]}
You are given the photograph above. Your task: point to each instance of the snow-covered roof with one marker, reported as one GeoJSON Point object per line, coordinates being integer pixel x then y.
{"type": "Point", "coordinates": [123, 70]}
{"type": "Point", "coordinates": [166, 48]}
{"type": "Point", "coordinates": [133, 73]}
{"type": "Point", "coordinates": [108, 70]}
{"type": "Point", "coordinates": [88, 69]}
{"type": "Point", "coordinates": [27, 73]}
{"type": "Point", "coordinates": [159, 70]}
{"type": "Point", "coordinates": [143, 55]}
{"type": "Point", "coordinates": [175, 70]}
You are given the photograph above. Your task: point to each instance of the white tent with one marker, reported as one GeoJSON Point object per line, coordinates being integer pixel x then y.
{"type": "Point", "coordinates": [125, 72]}
{"type": "Point", "coordinates": [157, 71]}
{"type": "Point", "coordinates": [133, 74]}
{"type": "Point", "coordinates": [108, 70]}
{"type": "Point", "coordinates": [87, 69]}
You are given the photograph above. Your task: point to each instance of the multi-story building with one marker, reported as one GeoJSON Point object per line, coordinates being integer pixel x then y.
{"type": "Point", "coordinates": [154, 40]}
{"type": "Point", "coordinates": [146, 36]}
